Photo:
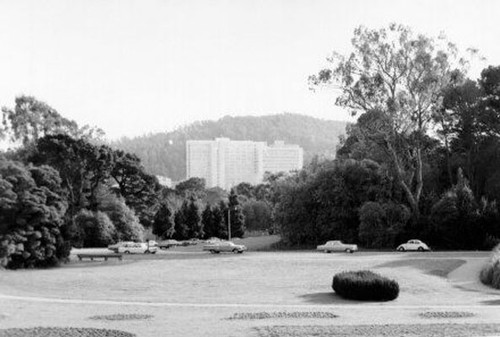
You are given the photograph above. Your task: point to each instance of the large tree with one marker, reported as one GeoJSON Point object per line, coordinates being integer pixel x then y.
{"type": "Point", "coordinates": [140, 189]}
{"type": "Point", "coordinates": [81, 165]}
{"type": "Point", "coordinates": [163, 225]}
{"type": "Point", "coordinates": [398, 75]}
{"type": "Point", "coordinates": [234, 216]}
{"type": "Point", "coordinates": [193, 220]}
{"type": "Point", "coordinates": [31, 119]}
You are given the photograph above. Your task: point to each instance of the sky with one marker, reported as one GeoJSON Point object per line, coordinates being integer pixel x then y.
{"type": "Point", "coordinates": [132, 67]}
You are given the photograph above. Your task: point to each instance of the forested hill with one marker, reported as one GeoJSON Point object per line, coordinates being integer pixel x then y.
{"type": "Point", "coordinates": [165, 153]}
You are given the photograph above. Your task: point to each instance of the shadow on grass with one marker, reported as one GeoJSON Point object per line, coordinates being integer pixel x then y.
{"type": "Point", "coordinates": [491, 302]}
{"type": "Point", "coordinates": [325, 298]}
{"type": "Point", "coordinates": [435, 267]}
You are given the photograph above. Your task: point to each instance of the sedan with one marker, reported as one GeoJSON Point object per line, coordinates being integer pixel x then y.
{"type": "Point", "coordinates": [168, 243]}
{"type": "Point", "coordinates": [115, 247]}
{"type": "Point", "coordinates": [137, 247]}
{"type": "Point", "coordinates": [413, 245]}
{"type": "Point", "coordinates": [224, 246]}
{"type": "Point", "coordinates": [337, 246]}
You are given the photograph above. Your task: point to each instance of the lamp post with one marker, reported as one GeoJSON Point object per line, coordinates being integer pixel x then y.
{"type": "Point", "coordinates": [229, 223]}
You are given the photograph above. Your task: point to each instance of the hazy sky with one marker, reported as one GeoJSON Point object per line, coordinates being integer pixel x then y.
{"type": "Point", "coordinates": [132, 67]}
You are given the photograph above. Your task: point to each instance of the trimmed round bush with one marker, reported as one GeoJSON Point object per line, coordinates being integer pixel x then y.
{"type": "Point", "coordinates": [490, 274]}
{"type": "Point", "coordinates": [365, 285]}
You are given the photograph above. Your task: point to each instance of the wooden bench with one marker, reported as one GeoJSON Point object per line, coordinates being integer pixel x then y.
{"type": "Point", "coordinates": [96, 256]}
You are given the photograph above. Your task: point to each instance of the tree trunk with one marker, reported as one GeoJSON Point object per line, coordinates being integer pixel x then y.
{"type": "Point", "coordinates": [413, 200]}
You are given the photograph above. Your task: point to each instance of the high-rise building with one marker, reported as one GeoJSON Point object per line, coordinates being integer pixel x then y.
{"type": "Point", "coordinates": [282, 157]}
{"type": "Point", "coordinates": [225, 163]}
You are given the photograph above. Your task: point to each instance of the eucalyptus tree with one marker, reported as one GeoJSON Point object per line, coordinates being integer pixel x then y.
{"type": "Point", "coordinates": [397, 76]}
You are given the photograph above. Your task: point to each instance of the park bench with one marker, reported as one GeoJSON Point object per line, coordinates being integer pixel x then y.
{"type": "Point", "coordinates": [96, 256]}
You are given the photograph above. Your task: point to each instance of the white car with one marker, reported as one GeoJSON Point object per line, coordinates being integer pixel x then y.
{"type": "Point", "coordinates": [224, 246]}
{"type": "Point", "coordinates": [337, 246]}
{"type": "Point", "coordinates": [137, 248]}
{"type": "Point", "coordinates": [152, 243]}
{"type": "Point", "coordinates": [117, 245]}
{"type": "Point", "coordinates": [413, 245]}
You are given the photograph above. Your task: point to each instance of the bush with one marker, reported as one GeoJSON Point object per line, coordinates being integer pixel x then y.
{"type": "Point", "coordinates": [381, 223]}
{"type": "Point", "coordinates": [96, 228]}
{"type": "Point", "coordinates": [365, 285]}
{"type": "Point", "coordinates": [490, 274]}
{"type": "Point", "coordinates": [128, 227]}
{"type": "Point", "coordinates": [32, 208]}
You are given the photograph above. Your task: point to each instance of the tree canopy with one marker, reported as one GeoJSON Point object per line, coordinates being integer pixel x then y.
{"type": "Point", "coordinates": [397, 76]}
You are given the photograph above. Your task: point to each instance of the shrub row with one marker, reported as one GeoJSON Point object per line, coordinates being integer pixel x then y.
{"type": "Point", "coordinates": [490, 274]}
{"type": "Point", "coordinates": [365, 285]}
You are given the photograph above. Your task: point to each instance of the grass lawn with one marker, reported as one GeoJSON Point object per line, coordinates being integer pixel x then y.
{"type": "Point", "coordinates": [195, 293]}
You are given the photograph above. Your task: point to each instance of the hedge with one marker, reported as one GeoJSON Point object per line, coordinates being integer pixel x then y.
{"type": "Point", "coordinates": [365, 285]}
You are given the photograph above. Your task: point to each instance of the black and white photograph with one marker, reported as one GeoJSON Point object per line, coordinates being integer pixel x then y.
{"type": "Point", "coordinates": [260, 168]}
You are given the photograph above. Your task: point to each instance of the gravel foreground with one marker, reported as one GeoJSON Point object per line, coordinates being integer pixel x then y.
{"type": "Point", "coordinates": [396, 330]}
{"type": "Point", "coordinates": [63, 332]}
{"type": "Point", "coordinates": [121, 317]}
{"type": "Point", "coordinates": [282, 314]}
{"type": "Point", "coordinates": [446, 314]}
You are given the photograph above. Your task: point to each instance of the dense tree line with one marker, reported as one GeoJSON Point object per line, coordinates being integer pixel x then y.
{"type": "Point", "coordinates": [165, 153]}
{"type": "Point", "coordinates": [421, 161]}
{"type": "Point", "coordinates": [187, 212]}
{"type": "Point", "coordinates": [62, 189]}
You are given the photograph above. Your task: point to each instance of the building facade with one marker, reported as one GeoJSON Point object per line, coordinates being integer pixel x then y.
{"type": "Point", "coordinates": [226, 163]}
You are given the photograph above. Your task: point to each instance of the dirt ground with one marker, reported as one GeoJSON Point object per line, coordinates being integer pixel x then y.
{"type": "Point", "coordinates": [193, 293]}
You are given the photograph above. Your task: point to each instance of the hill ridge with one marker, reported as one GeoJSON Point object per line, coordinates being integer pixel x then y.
{"type": "Point", "coordinates": [164, 153]}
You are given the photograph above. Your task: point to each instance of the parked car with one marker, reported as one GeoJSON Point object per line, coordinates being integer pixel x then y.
{"type": "Point", "coordinates": [337, 246]}
{"type": "Point", "coordinates": [115, 247]}
{"type": "Point", "coordinates": [224, 246]}
{"type": "Point", "coordinates": [152, 243]}
{"type": "Point", "coordinates": [190, 242]}
{"type": "Point", "coordinates": [166, 244]}
{"type": "Point", "coordinates": [137, 248]}
{"type": "Point", "coordinates": [413, 245]}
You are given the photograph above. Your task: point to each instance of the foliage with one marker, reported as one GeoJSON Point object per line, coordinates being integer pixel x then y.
{"type": "Point", "coordinates": [381, 223]}
{"type": "Point", "coordinates": [128, 227]}
{"type": "Point", "coordinates": [193, 220]}
{"type": "Point", "coordinates": [165, 153]}
{"type": "Point", "coordinates": [32, 208]}
{"type": "Point", "coordinates": [214, 195]}
{"type": "Point", "coordinates": [365, 285]}
{"type": "Point", "coordinates": [32, 119]}
{"type": "Point", "coordinates": [396, 77]}
{"type": "Point", "coordinates": [96, 229]}
{"type": "Point", "coordinates": [213, 222]}
{"type": "Point", "coordinates": [163, 225]}
{"type": "Point", "coordinates": [257, 215]}
{"type": "Point", "coordinates": [320, 206]}
{"type": "Point", "coordinates": [85, 167]}
{"type": "Point", "coordinates": [181, 231]}
{"type": "Point", "coordinates": [236, 218]}
{"type": "Point", "coordinates": [191, 187]}
{"type": "Point", "coordinates": [139, 188]}
{"type": "Point", "coordinates": [461, 221]}
{"type": "Point", "coordinates": [490, 274]}
{"type": "Point", "coordinates": [82, 166]}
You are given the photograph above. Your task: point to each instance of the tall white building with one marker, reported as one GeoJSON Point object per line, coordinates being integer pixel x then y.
{"type": "Point", "coordinates": [225, 163]}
